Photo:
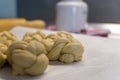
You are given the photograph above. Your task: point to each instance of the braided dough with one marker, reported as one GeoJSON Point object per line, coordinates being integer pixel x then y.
{"type": "Point", "coordinates": [66, 48]}
{"type": "Point", "coordinates": [60, 46]}
{"type": "Point", "coordinates": [41, 37]}
{"type": "Point", "coordinates": [27, 58]}
{"type": "Point", "coordinates": [6, 39]}
{"type": "Point", "coordinates": [3, 56]}
{"type": "Point", "coordinates": [37, 36]}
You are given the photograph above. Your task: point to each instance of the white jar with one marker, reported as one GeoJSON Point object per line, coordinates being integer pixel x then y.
{"type": "Point", "coordinates": [71, 15]}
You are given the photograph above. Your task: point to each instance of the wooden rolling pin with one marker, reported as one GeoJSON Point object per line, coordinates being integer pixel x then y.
{"type": "Point", "coordinates": [7, 24]}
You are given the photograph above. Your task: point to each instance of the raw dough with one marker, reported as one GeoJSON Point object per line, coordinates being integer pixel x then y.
{"type": "Point", "coordinates": [27, 58]}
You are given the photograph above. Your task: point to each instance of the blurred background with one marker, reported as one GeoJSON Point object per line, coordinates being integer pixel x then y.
{"type": "Point", "coordinates": [100, 11]}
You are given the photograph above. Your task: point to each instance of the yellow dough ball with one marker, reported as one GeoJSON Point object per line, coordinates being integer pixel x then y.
{"type": "Point", "coordinates": [27, 58]}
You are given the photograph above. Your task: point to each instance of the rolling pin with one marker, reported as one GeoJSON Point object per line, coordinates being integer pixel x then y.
{"type": "Point", "coordinates": [7, 24]}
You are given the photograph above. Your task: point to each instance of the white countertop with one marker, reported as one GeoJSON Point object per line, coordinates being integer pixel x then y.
{"type": "Point", "coordinates": [101, 61]}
